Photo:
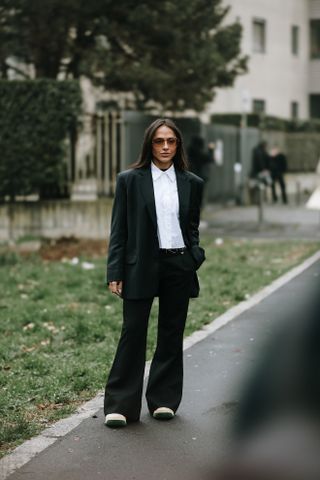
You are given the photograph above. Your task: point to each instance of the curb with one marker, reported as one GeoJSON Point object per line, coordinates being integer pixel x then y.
{"type": "Point", "coordinates": [29, 449]}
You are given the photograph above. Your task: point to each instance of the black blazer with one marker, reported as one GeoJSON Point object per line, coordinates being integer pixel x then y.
{"type": "Point", "coordinates": [133, 246]}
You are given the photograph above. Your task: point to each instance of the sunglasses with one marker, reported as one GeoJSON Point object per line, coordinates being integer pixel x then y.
{"type": "Point", "coordinates": [171, 141]}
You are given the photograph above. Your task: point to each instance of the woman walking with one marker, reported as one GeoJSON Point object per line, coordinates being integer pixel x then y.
{"type": "Point", "coordinates": [153, 252]}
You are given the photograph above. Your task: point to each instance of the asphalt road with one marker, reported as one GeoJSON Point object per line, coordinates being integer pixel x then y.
{"type": "Point", "coordinates": [279, 222]}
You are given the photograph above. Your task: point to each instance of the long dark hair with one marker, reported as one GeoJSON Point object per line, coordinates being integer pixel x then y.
{"type": "Point", "coordinates": [180, 159]}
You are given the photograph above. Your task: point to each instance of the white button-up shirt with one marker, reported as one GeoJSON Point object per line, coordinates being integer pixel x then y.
{"type": "Point", "coordinates": [167, 207]}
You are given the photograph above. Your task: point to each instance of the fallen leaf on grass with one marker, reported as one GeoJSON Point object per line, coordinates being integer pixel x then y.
{"type": "Point", "coordinates": [51, 327]}
{"type": "Point", "coordinates": [73, 306]}
{"type": "Point", "coordinates": [43, 343]}
{"type": "Point", "coordinates": [87, 266]}
{"type": "Point", "coordinates": [27, 349]}
{"type": "Point", "coordinates": [29, 326]}
{"type": "Point", "coordinates": [218, 241]}
{"type": "Point", "coordinates": [49, 406]}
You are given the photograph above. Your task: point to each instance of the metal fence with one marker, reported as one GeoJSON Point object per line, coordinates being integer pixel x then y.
{"type": "Point", "coordinates": [96, 155]}
{"type": "Point", "coordinates": [231, 169]}
{"type": "Point", "coordinates": [109, 142]}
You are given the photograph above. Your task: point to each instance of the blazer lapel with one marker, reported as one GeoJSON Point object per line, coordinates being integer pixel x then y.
{"type": "Point", "coordinates": [148, 193]}
{"type": "Point", "coordinates": [183, 185]}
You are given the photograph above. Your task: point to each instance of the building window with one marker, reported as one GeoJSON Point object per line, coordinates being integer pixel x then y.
{"type": "Point", "coordinates": [294, 110]}
{"type": "Point", "coordinates": [314, 101]}
{"type": "Point", "coordinates": [259, 36]}
{"type": "Point", "coordinates": [315, 38]}
{"type": "Point", "coordinates": [294, 39]}
{"type": "Point", "coordinates": [259, 106]}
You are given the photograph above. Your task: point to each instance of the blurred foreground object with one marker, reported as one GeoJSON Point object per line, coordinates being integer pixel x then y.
{"type": "Point", "coordinates": [277, 427]}
{"type": "Point", "coordinates": [314, 201]}
{"type": "Point", "coordinates": [287, 448]}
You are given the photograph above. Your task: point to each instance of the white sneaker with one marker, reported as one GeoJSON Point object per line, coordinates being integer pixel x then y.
{"type": "Point", "coordinates": [163, 413]}
{"type": "Point", "coordinates": [115, 420]}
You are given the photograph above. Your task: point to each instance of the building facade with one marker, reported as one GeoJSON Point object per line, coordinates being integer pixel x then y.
{"type": "Point", "coordinates": [282, 41]}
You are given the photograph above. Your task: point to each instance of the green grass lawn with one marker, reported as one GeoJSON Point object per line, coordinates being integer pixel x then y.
{"type": "Point", "coordinates": [59, 326]}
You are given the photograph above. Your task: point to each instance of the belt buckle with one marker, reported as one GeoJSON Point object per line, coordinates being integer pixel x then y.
{"type": "Point", "coordinates": [177, 250]}
{"type": "Point", "coordinates": [174, 251]}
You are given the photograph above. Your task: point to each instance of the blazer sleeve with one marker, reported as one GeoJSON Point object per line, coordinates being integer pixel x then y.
{"type": "Point", "coordinates": [195, 212]}
{"type": "Point", "coordinates": [118, 234]}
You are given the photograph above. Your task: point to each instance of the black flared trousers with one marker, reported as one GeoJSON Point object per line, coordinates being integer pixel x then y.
{"type": "Point", "coordinates": [280, 179]}
{"type": "Point", "coordinates": [123, 392]}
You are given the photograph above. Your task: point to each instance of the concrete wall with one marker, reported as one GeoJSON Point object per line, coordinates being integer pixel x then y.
{"type": "Point", "coordinates": [54, 219]}
{"type": "Point", "coordinates": [277, 76]}
{"type": "Point", "coordinates": [303, 150]}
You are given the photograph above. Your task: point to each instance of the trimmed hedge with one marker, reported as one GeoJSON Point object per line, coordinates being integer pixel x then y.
{"type": "Point", "coordinates": [36, 117]}
{"type": "Point", "coordinates": [267, 122]}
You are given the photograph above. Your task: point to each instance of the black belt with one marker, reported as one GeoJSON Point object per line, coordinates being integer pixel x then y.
{"type": "Point", "coordinates": [172, 251]}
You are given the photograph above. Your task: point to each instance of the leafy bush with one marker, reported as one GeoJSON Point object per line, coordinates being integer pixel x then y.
{"type": "Point", "coordinates": [8, 258]}
{"type": "Point", "coordinates": [35, 119]}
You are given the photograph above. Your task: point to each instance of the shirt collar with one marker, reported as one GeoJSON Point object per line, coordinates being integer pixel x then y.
{"type": "Point", "coordinates": [157, 172]}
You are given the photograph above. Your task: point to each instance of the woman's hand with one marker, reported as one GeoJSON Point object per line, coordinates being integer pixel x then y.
{"type": "Point", "coordinates": [116, 287]}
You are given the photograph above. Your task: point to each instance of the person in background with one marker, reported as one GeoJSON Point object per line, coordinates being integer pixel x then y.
{"type": "Point", "coordinates": [200, 160]}
{"type": "Point", "coordinates": [260, 171]}
{"type": "Point", "coordinates": [278, 167]}
{"type": "Point", "coordinates": [260, 165]}
{"type": "Point", "coordinates": [153, 252]}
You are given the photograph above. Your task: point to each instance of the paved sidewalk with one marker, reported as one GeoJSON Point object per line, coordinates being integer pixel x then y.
{"type": "Point", "coordinates": [185, 447]}
{"type": "Point", "coordinates": [280, 221]}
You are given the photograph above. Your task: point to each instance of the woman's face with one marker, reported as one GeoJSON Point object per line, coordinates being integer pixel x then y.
{"type": "Point", "coordinates": [164, 147]}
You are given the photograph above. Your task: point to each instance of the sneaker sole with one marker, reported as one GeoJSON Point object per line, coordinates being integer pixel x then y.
{"type": "Point", "coordinates": [163, 416]}
{"type": "Point", "coordinates": [115, 423]}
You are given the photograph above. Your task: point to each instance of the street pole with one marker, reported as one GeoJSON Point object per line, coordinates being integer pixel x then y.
{"type": "Point", "coordinates": [260, 204]}
{"type": "Point", "coordinates": [241, 169]}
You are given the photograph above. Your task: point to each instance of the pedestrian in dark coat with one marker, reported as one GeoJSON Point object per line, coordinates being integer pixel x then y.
{"type": "Point", "coordinates": [260, 172]}
{"type": "Point", "coordinates": [153, 252]}
{"type": "Point", "coordinates": [278, 167]}
{"type": "Point", "coordinates": [201, 159]}
{"type": "Point", "coordinates": [260, 162]}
